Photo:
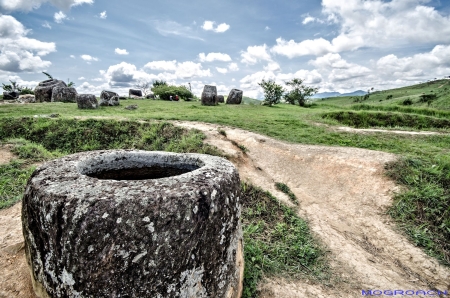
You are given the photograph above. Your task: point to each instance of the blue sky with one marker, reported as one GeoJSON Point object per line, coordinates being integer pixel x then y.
{"type": "Point", "coordinates": [335, 45]}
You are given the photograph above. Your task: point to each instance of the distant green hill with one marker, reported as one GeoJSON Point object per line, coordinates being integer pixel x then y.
{"type": "Point", "coordinates": [415, 95]}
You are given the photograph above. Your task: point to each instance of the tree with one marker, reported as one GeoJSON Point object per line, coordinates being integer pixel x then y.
{"type": "Point", "coordinates": [299, 93]}
{"type": "Point", "coordinates": [272, 92]}
{"type": "Point", "coordinates": [144, 86]}
{"type": "Point", "coordinates": [157, 83]}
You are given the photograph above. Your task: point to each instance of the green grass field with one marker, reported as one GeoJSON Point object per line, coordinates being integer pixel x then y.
{"type": "Point", "coordinates": [422, 210]}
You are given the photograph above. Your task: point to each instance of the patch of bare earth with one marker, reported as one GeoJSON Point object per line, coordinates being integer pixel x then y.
{"type": "Point", "coordinates": [344, 194]}
{"type": "Point", "coordinates": [5, 155]}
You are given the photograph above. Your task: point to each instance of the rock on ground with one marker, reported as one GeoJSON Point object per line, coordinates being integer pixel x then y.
{"type": "Point", "coordinates": [235, 97]}
{"type": "Point", "coordinates": [87, 101]}
{"type": "Point", "coordinates": [43, 91]}
{"type": "Point", "coordinates": [64, 94]}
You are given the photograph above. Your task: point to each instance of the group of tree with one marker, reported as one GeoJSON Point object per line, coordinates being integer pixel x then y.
{"type": "Point", "coordinates": [163, 91]}
{"type": "Point", "coordinates": [298, 92]}
{"type": "Point", "coordinates": [15, 87]}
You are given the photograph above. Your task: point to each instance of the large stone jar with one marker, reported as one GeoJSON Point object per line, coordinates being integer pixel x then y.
{"type": "Point", "coordinates": [134, 224]}
{"type": "Point", "coordinates": [209, 96]}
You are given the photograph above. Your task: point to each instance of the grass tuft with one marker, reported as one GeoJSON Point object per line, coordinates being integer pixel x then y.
{"type": "Point", "coordinates": [423, 210]}
{"type": "Point", "coordinates": [13, 178]}
{"type": "Point", "coordinates": [285, 189]}
{"type": "Point", "coordinates": [277, 242]}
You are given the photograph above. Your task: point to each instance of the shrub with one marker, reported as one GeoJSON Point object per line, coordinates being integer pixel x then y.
{"type": "Point", "coordinates": [407, 102]}
{"type": "Point", "coordinates": [165, 91]}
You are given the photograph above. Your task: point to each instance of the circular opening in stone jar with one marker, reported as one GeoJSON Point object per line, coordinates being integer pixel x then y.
{"type": "Point", "coordinates": [141, 166]}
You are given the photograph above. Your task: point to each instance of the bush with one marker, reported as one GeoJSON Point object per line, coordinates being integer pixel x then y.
{"type": "Point", "coordinates": [427, 98]}
{"type": "Point", "coordinates": [165, 91]}
{"type": "Point", "coordinates": [407, 102]}
{"type": "Point", "coordinates": [272, 92]}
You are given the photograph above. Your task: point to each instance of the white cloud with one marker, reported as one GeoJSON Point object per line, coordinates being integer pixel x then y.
{"type": "Point", "coordinates": [418, 67]}
{"type": "Point", "coordinates": [383, 24]}
{"type": "Point", "coordinates": [19, 53]}
{"type": "Point", "coordinates": [233, 67]}
{"type": "Point", "coordinates": [221, 70]}
{"type": "Point", "coordinates": [162, 65]}
{"type": "Point", "coordinates": [315, 47]}
{"type": "Point", "coordinates": [46, 25]}
{"type": "Point", "coordinates": [267, 28]}
{"type": "Point", "coordinates": [339, 69]}
{"type": "Point", "coordinates": [272, 66]}
{"type": "Point", "coordinates": [59, 17]}
{"type": "Point", "coordinates": [209, 26]}
{"type": "Point", "coordinates": [81, 78]}
{"type": "Point", "coordinates": [189, 69]}
{"type": "Point", "coordinates": [308, 19]}
{"type": "Point", "coordinates": [121, 52]}
{"type": "Point", "coordinates": [255, 54]}
{"type": "Point", "coordinates": [28, 5]}
{"type": "Point", "coordinates": [214, 57]}
{"type": "Point", "coordinates": [103, 15]}
{"type": "Point", "coordinates": [88, 58]}
{"type": "Point", "coordinates": [72, 56]}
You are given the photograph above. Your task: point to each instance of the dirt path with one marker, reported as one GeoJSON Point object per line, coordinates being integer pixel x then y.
{"type": "Point", "coordinates": [343, 194]}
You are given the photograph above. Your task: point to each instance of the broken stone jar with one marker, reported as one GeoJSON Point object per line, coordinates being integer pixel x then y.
{"type": "Point", "coordinates": [127, 223]}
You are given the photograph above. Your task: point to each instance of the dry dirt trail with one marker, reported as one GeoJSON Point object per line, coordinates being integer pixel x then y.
{"type": "Point", "coordinates": [342, 192]}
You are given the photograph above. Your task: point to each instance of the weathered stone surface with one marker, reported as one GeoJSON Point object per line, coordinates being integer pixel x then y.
{"type": "Point", "coordinates": [64, 94]}
{"type": "Point", "coordinates": [109, 98]}
{"type": "Point", "coordinates": [150, 96]}
{"type": "Point", "coordinates": [26, 98]}
{"type": "Point", "coordinates": [220, 98]}
{"type": "Point", "coordinates": [131, 107]}
{"type": "Point", "coordinates": [209, 95]}
{"type": "Point", "coordinates": [235, 97]}
{"type": "Point", "coordinates": [135, 92]}
{"type": "Point", "coordinates": [43, 91]}
{"type": "Point", "coordinates": [87, 101]}
{"type": "Point", "coordinates": [10, 95]}
{"type": "Point", "coordinates": [92, 229]}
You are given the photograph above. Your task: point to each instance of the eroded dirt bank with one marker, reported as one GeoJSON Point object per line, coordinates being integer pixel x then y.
{"type": "Point", "coordinates": [344, 194]}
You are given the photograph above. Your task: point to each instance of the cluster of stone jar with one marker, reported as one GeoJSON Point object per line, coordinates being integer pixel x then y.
{"type": "Point", "coordinates": [210, 97]}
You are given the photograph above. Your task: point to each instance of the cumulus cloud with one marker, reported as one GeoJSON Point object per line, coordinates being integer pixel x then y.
{"type": "Point", "coordinates": [103, 15]}
{"type": "Point", "coordinates": [375, 23]}
{"type": "Point", "coordinates": [272, 66]}
{"type": "Point", "coordinates": [81, 78]}
{"type": "Point", "coordinates": [382, 24]}
{"type": "Point", "coordinates": [88, 58]}
{"type": "Point", "coordinates": [162, 65]}
{"type": "Point", "coordinates": [72, 56]}
{"type": "Point", "coordinates": [19, 53]}
{"type": "Point", "coordinates": [254, 54]}
{"type": "Point", "coordinates": [418, 67]}
{"type": "Point", "coordinates": [214, 57]}
{"type": "Point", "coordinates": [210, 26]}
{"type": "Point", "coordinates": [233, 67]}
{"type": "Point", "coordinates": [28, 5]}
{"type": "Point", "coordinates": [339, 69]}
{"type": "Point", "coordinates": [222, 70]}
{"type": "Point", "coordinates": [125, 74]}
{"type": "Point", "coordinates": [121, 51]}
{"type": "Point", "coordinates": [59, 17]}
